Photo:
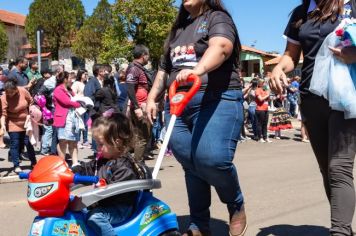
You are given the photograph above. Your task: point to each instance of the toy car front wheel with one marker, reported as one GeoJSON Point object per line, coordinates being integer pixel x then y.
{"type": "Point", "coordinates": [171, 233]}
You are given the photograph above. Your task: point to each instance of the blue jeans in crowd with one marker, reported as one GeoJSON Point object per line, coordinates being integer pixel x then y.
{"type": "Point", "coordinates": [101, 219]}
{"type": "Point", "coordinates": [85, 118]}
{"type": "Point", "coordinates": [17, 142]}
{"type": "Point", "coordinates": [46, 139]}
{"type": "Point", "coordinates": [157, 127]}
{"type": "Point", "coordinates": [292, 107]}
{"type": "Point", "coordinates": [251, 116]}
{"type": "Point", "coordinates": [204, 141]}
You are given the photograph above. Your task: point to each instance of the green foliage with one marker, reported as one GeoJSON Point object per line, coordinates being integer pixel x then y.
{"type": "Point", "coordinates": [145, 22]}
{"type": "Point", "coordinates": [89, 40]}
{"type": "Point", "coordinates": [4, 43]}
{"type": "Point", "coordinates": [60, 20]}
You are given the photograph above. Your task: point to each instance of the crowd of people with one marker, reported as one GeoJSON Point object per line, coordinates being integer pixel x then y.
{"type": "Point", "coordinates": [266, 111]}
{"type": "Point", "coordinates": [74, 100]}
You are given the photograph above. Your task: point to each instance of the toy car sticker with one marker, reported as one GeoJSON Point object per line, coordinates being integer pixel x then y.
{"type": "Point", "coordinates": [37, 228]}
{"type": "Point", "coordinates": [153, 212]}
{"type": "Point", "coordinates": [37, 191]}
{"type": "Point", "coordinates": [68, 228]}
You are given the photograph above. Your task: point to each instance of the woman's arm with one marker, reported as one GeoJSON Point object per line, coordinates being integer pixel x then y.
{"type": "Point", "coordinates": [288, 62]}
{"type": "Point", "coordinates": [219, 50]}
{"type": "Point", "coordinates": [158, 88]}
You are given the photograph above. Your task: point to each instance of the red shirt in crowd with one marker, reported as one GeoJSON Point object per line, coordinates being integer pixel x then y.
{"type": "Point", "coordinates": [261, 105]}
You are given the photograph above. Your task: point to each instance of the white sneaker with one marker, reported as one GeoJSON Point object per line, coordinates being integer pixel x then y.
{"type": "Point", "coordinates": [17, 170]}
{"type": "Point", "coordinates": [268, 141]}
{"type": "Point", "coordinates": [277, 137]}
{"type": "Point", "coordinates": [262, 140]}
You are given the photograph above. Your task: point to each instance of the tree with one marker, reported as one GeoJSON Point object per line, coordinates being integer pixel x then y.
{"type": "Point", "coordinates": [88, 42]}
{"type": "Point", "coordinates": [4, 43]}
{"type": "Point", "coordinates": [60, 20]}
{"type": "Point", "coordinates": [145, 22]}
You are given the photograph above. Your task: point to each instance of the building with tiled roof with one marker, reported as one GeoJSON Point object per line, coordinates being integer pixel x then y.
{"type": "Point", "coordinates": [11, 18]}
{"type": "Point", "coordinates": [253, 61]}
{"type": "Point", "coordinates": [14, 25]}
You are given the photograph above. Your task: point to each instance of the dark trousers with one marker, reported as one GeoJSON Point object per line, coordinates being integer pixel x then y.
{"type": "Point", "coordinates": [17, 141]}
{"type": "Point", "coordinates": [261, 123]}
{"type": "Point", "coordinates": [54, 141]}
{"type": "Point", "coordinates": [142, 131]}
{"type": "Point", "coordinates": [333, 140]}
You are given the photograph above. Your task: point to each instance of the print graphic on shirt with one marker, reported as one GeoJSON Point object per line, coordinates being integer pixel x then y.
{"type": "Point", "coordinates": [347, 11]}
{"type": "Point", "coordinates": [184, 56]}
{"type": "Point", "coordinates": [203, 27]}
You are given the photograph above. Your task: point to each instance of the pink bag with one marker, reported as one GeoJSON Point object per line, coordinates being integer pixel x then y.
{"type": "Point", "coordinates": [89, 123]}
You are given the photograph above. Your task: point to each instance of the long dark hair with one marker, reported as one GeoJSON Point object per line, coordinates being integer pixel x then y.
{"type": "Point", "coordinates": [182, 20]}
{"type": "Point", "coordinates": [325, 10]}
{"type": "Point", "coordinates": [80, 74]}
{"type": "Point", "coordinates": [61, 77]}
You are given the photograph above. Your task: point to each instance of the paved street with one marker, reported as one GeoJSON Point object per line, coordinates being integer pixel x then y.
{"type": "Point", "coordinates": [280, 181]}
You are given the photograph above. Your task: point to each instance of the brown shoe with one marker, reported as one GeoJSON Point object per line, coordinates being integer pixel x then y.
{"type": "Point", "coordinates": [191, 232]}
{"type": "Point", "coordinates": [238, 223]}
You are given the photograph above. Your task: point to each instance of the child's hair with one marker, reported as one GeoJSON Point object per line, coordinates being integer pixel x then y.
{"type": "Point", "coordinates": [115, 129]}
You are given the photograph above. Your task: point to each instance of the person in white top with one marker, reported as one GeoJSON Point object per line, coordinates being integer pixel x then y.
{"type": "Point", "coordinates": [78, 90]}
{"type": "Point", "coordinates": [79, 84]}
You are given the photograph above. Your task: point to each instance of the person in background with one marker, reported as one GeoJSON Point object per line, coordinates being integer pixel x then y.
{"type": "Point", "coordinates": [78, 90]}
{"type": "Point", "coordinates": [47, 90]}
{"type": "Point", "coordinates": [65, 119]}
{"type": "Point", "coordinates": [121, 88]}
{"type": "Point", "coordinates": [106, 98]}
{"type": "Point", "coordinates": [33, 73]}
{"type": "Point", "coordinates": [292, 95]}
{"type": "Point", "coordinates": [91, 87]}
{"type": "Point", "coordinates": [281, 119]}
{"type": "Point", "coordinates": [18, 73]}
{"type": "Point", "coordinates": [15, 105]}
{"type": "Point", "coordinates": [3, 78]}
{"type": "Point", "coordinates": [47, 136]}
{"type": "Point", "coordinates": [251, 100]}
{"type": "Point", "coordinates": [137, 82]}
{"type": "Point", "coordinates": [262, 99]}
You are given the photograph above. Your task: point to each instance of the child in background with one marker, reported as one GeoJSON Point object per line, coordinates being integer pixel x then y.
{"type": "Point", "coordinates": [281, 119]}
{"type": "Point", "coordinates": [114, 137]}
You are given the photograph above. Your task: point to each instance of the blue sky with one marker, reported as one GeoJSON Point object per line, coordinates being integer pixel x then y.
{"type": "Point", "coordinates": [262, 21]}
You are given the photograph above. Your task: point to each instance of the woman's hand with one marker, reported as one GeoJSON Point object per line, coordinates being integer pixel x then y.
{"type": "Point", "coordinates": [183, 75]}
{"type": "Point", "coordinates": [151, 110]}
{"type": "Point", "coordinates": [346, 54]}
{"type": "Point", "coordinates": [278, 80]}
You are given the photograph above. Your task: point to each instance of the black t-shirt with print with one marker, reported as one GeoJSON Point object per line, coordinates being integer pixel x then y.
{"type": "Point", "coordinates": [310, 35]}
{"type": "Point", "coordinates": [190, 44]}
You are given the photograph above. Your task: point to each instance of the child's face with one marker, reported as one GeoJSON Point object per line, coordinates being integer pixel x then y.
{"type": "Point", "coordinates": [108, 151]}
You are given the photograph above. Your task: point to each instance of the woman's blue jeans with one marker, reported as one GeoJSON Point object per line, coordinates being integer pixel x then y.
{"type": "Point", "coordinates": [204, 141]}
{"type": "Point", "coordinates": [17, 141]}
{"type": "Point", "coordinates": [46, 139]}
{"type": "Point", "coordinates": [252, 118]}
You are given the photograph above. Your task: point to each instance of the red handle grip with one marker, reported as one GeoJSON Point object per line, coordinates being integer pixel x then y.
{"type": "Point", "coordinates": [179, 100]}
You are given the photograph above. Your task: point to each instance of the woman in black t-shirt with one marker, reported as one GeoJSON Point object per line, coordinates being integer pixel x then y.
{"type": "Point", "coordinates": [333, 138]}
{"type": "Point", "coordinates": [204, 41]}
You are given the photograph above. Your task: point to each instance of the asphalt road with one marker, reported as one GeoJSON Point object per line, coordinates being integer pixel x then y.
{"type": "Point", "coordinates": [281, 183]}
